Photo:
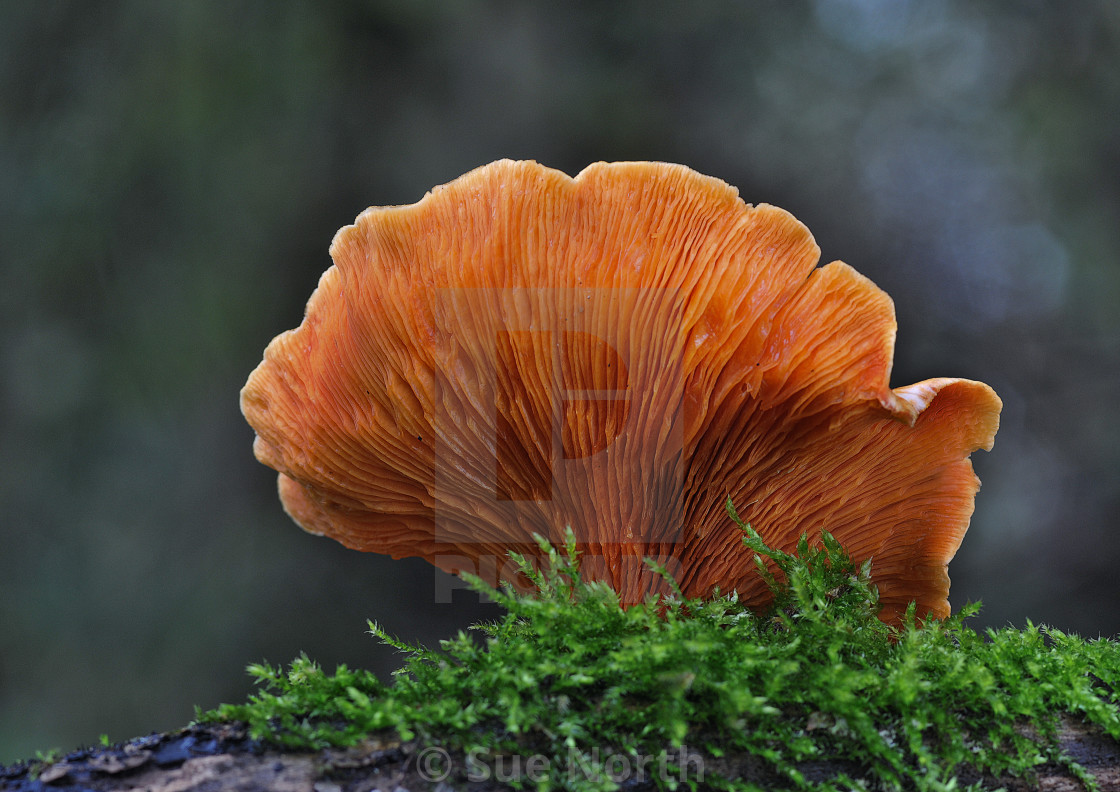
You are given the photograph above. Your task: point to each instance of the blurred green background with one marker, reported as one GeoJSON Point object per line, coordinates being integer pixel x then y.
{"type": "Point", "coordinates": [171, 175]}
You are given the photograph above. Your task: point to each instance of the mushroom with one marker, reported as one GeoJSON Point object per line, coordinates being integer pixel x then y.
{"type": "Point", "coordinates": [619, 353]}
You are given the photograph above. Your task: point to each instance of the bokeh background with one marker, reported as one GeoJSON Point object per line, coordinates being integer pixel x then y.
{"type": "Point", "coordinates": [171, 174]}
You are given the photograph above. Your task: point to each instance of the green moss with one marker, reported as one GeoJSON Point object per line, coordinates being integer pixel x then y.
{"type": "Point", "coordinates": [568, 674]}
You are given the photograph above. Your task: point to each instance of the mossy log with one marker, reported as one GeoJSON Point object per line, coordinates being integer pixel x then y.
{"type": "Point", "coordinates": [223, 757]}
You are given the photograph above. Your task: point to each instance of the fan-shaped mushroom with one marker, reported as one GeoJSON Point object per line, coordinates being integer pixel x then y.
{"type": "Point", "coordinates": [619, 353]}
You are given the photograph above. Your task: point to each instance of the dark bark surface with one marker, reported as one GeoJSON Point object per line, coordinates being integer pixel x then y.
{"type": "Point", "coordinates": [223, 757]}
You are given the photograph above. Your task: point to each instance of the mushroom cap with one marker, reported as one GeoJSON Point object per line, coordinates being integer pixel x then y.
{"type": "Point", "coordinates": [618, 353]}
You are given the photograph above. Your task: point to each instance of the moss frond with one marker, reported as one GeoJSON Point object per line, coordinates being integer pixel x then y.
{"type": "Point", "coordinates": [567, 672]}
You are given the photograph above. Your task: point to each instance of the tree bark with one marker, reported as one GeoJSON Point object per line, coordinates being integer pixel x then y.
{"type": "Point", "coordinates": [218, 758]}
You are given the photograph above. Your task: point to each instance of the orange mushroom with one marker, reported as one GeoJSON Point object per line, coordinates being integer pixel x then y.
{"type": "Point", "coordinates": [522, 351]}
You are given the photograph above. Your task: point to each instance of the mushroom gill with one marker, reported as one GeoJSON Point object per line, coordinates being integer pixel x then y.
{"type": "Point", "coordinates": [618, 352]}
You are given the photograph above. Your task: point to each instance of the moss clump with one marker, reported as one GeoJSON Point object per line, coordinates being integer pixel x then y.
{"type": "Point", "coordinates": [570, 676]}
